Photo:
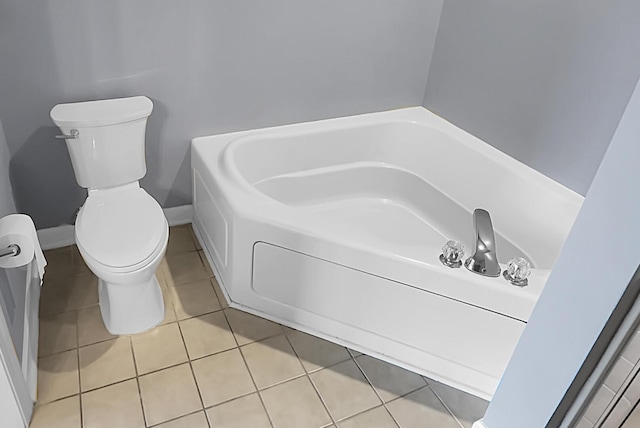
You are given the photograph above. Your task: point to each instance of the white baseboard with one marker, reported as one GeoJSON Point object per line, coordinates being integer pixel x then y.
{"type": "Point", "coordinates": [56, 237]}
{"type": "Point", "coordinates": [61, 236]}
{"type": "Point", "coordinates": [177, 216]}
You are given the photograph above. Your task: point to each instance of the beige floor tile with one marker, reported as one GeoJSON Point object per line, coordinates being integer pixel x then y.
{"type": "Point", "coordinates": [345, 390]}
{"type": "Point", "coordinates": [205, 262]}
{"type": "Point", "coordinates": [159, 348]}
{"type": "Point", "coordinates": [169, 306]}
{"type": "Point", "coordinates": [105, 363]}
{"type": "Point", "coordinates": [91, 328]}
{"type": "Point", "coordinates": [65, 262]}
{"type": "Point", "coordinates": [316, 353]}
{"type": "Point", "coordinates": [374, 418]}
{"type": "Point", "coordinates": [113, 406]}
{"type": "Point", "coordinates": [59, 414]}
{"type": "Point", "coordinates": [162, 272]}
{"type": "Point", "coordinates": [196, 298]}
{"type": "Point", "coordinates": [219, 293]}
{"type": "Point", "coordinates": [68, 293]}
{"type": "Point", "coordinates": [295, 404]}
{"type": "Point", "coordinates": [85, 292]}
{"type": "Point", "coordinates": [242, 412]}
{"type": "Point", "coordinates": [272, 361]}
{"type": "Point", "coordinates": [168, 394]}
{"type": "Point", "coordinates": [206, 335]}
{"type": "Point", "coordinates": [389, 381]}
{"type": "Point", "coordinates": [58, 376]}
{"type": "Point", "coordinates": [466, 407]}
{"type": "Point", "coordinates": [194, 237]}
{"type": "Point", "coordinates": [222, 377]}
{"type": "Point", "coordinates": [420, 409]}
{"type": "Point", "coordinates": [249, 328]}
{"type": "Point", "coordinates": [57, 333]}
{"type": "Point", "coordinates": [180, 240]}
{"type": "Point", "coordinates": [184, 268]}
{"type": "Point", "coordinates": [58, 259]}
{"type": "Point", "coordinates": [194, 420]}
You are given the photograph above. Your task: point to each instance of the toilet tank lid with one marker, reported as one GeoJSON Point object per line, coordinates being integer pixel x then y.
{"type": "Point", "coordinates": [101, 112]}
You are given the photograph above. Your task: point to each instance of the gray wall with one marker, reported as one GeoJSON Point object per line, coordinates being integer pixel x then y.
{"type": "Point", "coordinates": [7, 205]}
{"type": "Point", "coordinates": [544, 81]}
{"type": "Point", "coordinates": [210, 66]}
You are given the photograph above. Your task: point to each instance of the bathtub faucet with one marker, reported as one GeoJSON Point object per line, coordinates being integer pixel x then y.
{"type": "Point", "coordinates": [483, 261]}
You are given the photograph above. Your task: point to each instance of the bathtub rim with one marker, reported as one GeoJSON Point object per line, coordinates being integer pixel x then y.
{"type": "Point", "coordinates": [245, 191]}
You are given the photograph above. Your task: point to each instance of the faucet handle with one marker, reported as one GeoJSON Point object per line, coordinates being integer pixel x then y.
{"type": "Point", "coordinates": [518, 269]}
{"type": "Point", "coordinates": [452, 254]}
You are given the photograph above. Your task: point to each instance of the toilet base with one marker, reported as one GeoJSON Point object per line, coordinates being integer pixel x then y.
{"type": "Point", "coordinates": [131, 308]}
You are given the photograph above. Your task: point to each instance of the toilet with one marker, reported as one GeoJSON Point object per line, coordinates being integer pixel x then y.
{"type": "Point", "coordinates": [121, 231]}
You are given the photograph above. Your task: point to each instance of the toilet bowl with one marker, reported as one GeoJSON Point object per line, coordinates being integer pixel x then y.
{"type": "Point", "coordinates": [121, 231]}
{"type": "Point", "coordinates": [122, 236]}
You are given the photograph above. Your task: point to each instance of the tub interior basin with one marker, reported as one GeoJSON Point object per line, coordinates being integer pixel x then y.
{"type": "Point", "coordinates": [383, 207]}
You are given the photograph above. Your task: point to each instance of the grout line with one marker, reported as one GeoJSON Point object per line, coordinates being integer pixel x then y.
{"type": "Point", "coordinates": [46, 403]}
{"type": "Point", "coordinates": [195, 380]}
{"type": "Point", "coordinates": [108, 385]}
{"type": "Point", "coordinates": [384, 404]}
{"type": "Point", "coordinates": [175, 253]}
{"type": "Point", "coordinates": [78, 346]}
{"type": "Point", "coordinates": [135, 368]}
{"type": "Point", "coordinates": [313, 385]}
{"type": "Point", "coordinates": [79, 380]}
{"type": "Point", "coordinates": [393, 418]}
{"type": "Point", "coordinates": [191, 317]}
{"type": "Point", "coordinates": [181, 416]}
{"type": "Point", "coordinates": [173, 365]}
{"type": "Point", "coordinates": [213, 289]}
{"type": "Point", "coordinates": [246, 394]}
{"type": "Point", "coordinates": [445, 406]}
{"type": "Point", "coordinates": [368, 410]}
{"type": "Point", "coordinates": [194, 238]}
{"type": "Point", "coordinates": [271, 336]}
{"type": "Point", "coordinates": [391, 414]}
{"type": "Point", "coordinates": [255, 385]}
{"type": "Point", "coordinates": [281, 382]}
{"type": "Point", "coordinates": [368, 380]}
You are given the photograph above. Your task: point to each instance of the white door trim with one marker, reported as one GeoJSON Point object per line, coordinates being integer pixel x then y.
{"type": "Point", "coordinates": [12, 379]}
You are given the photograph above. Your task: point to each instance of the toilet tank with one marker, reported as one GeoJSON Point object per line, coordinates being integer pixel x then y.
{"type": "Point", "coordinates": [108, 149]}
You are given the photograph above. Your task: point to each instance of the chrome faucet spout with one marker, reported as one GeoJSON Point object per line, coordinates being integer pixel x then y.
{"type": "Point", "coordinates": [484, 260]}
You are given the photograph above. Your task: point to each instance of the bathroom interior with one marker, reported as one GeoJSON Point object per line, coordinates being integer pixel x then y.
{"type": "Point", "coordinates": [551, 85]}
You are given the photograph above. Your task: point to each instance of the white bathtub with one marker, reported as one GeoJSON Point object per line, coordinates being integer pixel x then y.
{"type": "Point", "coordinates": [335, 228]}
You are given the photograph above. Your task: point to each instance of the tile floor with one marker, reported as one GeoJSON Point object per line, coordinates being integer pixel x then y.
{"type": "Point", "coordinates": [208, 365]}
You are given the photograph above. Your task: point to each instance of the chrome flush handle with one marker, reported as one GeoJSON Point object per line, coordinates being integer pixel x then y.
{"type": "Point", "coordinates": [73, 134]}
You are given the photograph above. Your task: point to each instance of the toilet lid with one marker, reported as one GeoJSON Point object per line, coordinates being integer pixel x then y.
{"type": "Point", "coordinates": [120, 228]}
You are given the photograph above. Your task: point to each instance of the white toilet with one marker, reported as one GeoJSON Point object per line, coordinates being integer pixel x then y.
{"type": "Point", "coordinates": [121, 231]}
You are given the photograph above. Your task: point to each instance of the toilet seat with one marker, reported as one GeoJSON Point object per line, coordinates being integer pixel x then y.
{"type": "Point", "coordinates": [121, 229]}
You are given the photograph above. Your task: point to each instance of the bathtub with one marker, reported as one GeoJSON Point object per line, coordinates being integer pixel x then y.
{"type": "Point", "coordinates": [335, 228]}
